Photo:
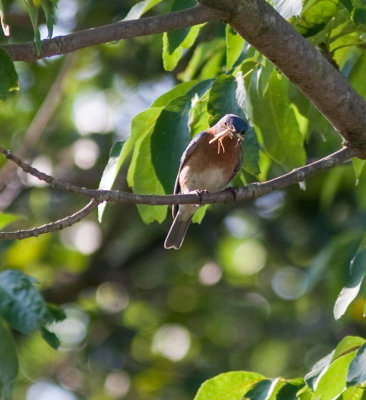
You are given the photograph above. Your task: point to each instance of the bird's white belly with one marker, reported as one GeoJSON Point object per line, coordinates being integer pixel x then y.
{"type": "Point", "coordinates": [210, 179]}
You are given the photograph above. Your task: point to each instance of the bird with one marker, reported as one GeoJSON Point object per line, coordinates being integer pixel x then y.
{"type": "Point", "coordinates": [209, 162]}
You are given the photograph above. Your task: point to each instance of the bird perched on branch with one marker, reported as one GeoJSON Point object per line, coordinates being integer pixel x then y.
{"type": "Point", "coordinates": [209, 162]}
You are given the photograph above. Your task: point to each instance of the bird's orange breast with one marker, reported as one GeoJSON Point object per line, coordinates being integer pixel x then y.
{"type": "Point", "coordinates": [212, 165]}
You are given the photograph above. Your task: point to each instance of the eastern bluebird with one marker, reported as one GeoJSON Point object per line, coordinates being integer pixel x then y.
{"type": "Point", "coordinates": [209, 162]}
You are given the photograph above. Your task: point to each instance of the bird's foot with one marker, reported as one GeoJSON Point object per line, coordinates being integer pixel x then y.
{"type": "Point", "coordinates": [232, 190]}
{"type": "Point", "coordinates": [199, 194]}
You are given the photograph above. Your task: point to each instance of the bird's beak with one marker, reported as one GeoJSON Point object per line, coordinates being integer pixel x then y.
{"type": "Point", "coordinates": [220, 135]}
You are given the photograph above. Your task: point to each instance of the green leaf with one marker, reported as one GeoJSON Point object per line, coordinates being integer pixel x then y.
{"type": "Point", "coordinates": [110, 173]}
{"type": "Point", "coordinates": [357, 75]}
{"type": "Point", "coordinates": [228, 386]}
{"type": "Point", "coordinates": [7, 218]}
{"type": "Point", "coordinates": [316, 14]}
{"type": "Point", "coordinates": [48, 9]}
{"type": "Point", "coordinates": [357, 369]}
{"type": "Point", "coordinates": [173, 45]}
{"type": "Point", "coordinates": [251, 152]}
{"type": "Point", "coordinates": [234, 47]}
{"type": "Point", "coordinates": [350, 291]}
{"type": "Point", "coordinates": [224, 98]}
{"type": "Point", "coordinates": [8, 362]}
{"type": "Point", "coordinates": [288, 8]}
{"type": "Point", "coordinates": [264, 75]}
{"type": "Point", "coordinates": [50, 338]}
{"type": "Point", "coordinates": [208, 56]}
{"type": "Point", "coordinates": [140, 8]}
{"type": "Point", "coordinates": [21, 304]}
{"type": "Point", "coordinates": [276, 122]}
{"type": "Point", "coordinates": [353, 393]}
{"type": "Point", "coordinates": [358, 166]}
{"type": "Point", "coordinates": [33, 15]}
{"type": "Point", "coordinates": [172, 94]}
{"type": "Point", "coordinates": [347, 4]}
{"type": "Point", "coordinates": [346, 345]}
{"type": "Point", "coordinates": [333, 382]}
{"type": "Point", "coordinates": [359, 16]}
{"type": "Point", "coordinates": [264, 389]}
{"type": "Point", "coordinates": [290, 389]}
{"type": "Point", "coordinates": [8, 75]}
{"type": "Point", "coordinates": [175, 41]}
{"type": "Point", "coordinates": [318, 370]}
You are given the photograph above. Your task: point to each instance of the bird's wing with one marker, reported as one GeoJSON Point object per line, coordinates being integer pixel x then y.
{"type": "Point", "coordinates": [185, 156]}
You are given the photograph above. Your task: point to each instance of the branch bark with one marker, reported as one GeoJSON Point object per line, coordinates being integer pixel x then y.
{"type": "Point", "coordinates": [301, 62]}
{"type": "Point", "coordinates": [250, 191]}
{"type": "Point", "coordinates": [108, 33]}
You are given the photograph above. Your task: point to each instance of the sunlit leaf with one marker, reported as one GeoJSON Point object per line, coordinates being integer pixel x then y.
{"type": "Point", "coordinates": [357, 75]}
{"type": "Point", "coordinates": [264, 75]}
{"type": "Point", "coordinates": [251, 152]}
{"type": "Point", "coordinates": [8, 75]}
{"type": "Point", "coordinates": [288, 8]}
{"type": "Point", "coordinates": [234, 46]}
{"type": "Point", "coordinates": [206, 59]}
{"type": "Point", "coordinates": [358, 166]}
{"type": "Point", "coordinates": [141, 8]}
{"type": "Point", "coordinates": [110, 173]}
{"type": "Point", "coordinates": [346, 345]}
{"type": "Point", "coordinates": [316, 14]}
{"type": "Point", "coordinates": [228, 386]}
{"type": "Point", "coordinates": [8, 362]}
{"type": "Point", "coordinates": [357, 273]}
{"type": "Point", "coordinates": [333, 382]}
{"type": "Point", "coordinates": [175, 41]}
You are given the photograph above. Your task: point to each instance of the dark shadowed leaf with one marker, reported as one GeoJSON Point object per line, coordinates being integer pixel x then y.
{"type": "Point", "coordinates": [8, 75]}
{"type": "Point", "coordinates": [50, 338]}
{"type": "Point", "coordinates": [276, 122]}
{"type": "Point", "coordinates": [21, 304]}
{"type": "Point", "coordinates": [8, 362]}
{"type": "Point", "coordinates": [264, 389]}
{"type": "Point", "coordinates": [357, 369]}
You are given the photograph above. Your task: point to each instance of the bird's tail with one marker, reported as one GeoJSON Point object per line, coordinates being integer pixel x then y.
{"type": "Point", "coordinates": [177, 232]}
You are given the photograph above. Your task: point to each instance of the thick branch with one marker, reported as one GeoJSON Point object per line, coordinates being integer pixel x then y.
{"type": "Point", "coordinates": [109, 33]}
{"type": "Point", "coordinates": [250, 191]}
{"type": "Point", "coordinates": [302, 63]}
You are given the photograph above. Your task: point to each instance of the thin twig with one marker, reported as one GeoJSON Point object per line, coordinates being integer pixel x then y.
{"type": "Point", "coordinates": [110, 33]}
{"type": "Point", "coordinates": [52, 226]}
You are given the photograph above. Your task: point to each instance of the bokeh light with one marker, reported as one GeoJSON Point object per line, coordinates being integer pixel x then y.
{"type": "Point", "coordinates": [85, 152]}
{"type": "Point", "coordinates": [172, 341]}
{"type": "Point", "coordinates": [289, 283]}
{"type": "Point", "coordinates": [85, 237]}
{"type": "Point", "coordinates": [112, 297]}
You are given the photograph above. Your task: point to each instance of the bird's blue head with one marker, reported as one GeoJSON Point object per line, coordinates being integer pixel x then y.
{"type": "Point", "coordinates": [235, 124]}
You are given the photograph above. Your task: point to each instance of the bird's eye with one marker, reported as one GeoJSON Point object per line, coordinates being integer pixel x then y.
{"type": "Point", "coordinates": [225, 123]}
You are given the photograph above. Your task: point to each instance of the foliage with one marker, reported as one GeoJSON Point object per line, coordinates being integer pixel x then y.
{"type": "Point", "coordinates": [252, 287]}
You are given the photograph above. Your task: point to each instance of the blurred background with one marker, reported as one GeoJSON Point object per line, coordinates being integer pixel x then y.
{"type": "Point", "coordinates": [253, 286]}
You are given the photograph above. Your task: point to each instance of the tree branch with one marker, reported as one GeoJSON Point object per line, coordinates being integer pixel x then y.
{"type": "Point", "coordinates": [301, 62]}
{"type": "Point", "coordinates": [109, 33]}
{"type": "Point", "coordinates": [52, 226]}
{"type": "Point", "coordinates": [250, 191]}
